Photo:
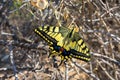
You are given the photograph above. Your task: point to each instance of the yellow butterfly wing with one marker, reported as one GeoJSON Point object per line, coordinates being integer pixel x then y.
{"type": "Point", "coordinates": [78, 48]}
{"type": "Point", "coordinates": [75, 44]}
{"type": "Point", "coordinates": [52, 34]}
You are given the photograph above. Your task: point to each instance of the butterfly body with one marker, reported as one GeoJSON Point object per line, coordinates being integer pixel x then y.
{"type": "Point", "coordinates": [65, 42]}
{"type": "Point", "coordinates": [62, 52]}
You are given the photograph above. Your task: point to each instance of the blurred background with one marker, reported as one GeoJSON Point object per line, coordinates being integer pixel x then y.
{"type": "Point", "coordinates": [24, 55]}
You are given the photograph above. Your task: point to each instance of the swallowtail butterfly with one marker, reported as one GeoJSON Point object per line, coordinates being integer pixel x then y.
{"type": "Point", "coordinates": [65, 42]}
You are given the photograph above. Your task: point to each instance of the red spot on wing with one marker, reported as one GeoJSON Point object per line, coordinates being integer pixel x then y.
{"type": "Point", "coordinates": [61, 49]}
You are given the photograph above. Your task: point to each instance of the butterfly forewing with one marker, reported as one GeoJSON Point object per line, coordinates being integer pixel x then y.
{"type": "Point", "coordinates": [57, 33]}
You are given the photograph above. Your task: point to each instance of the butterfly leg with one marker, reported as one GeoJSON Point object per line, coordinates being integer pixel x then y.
{"type": "Point", "coordinates": [62, 59]}
{"type": "Point", "coordinates": [53, 53]}
{"type": "Point", "coordinates": [55, 62]}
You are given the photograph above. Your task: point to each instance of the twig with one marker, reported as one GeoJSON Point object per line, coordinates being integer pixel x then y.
{"type": "Point", "coordinates": [12, 61]}
{"type": "Point", "coordinates": [105, 71]}
{"type": "Point", "coordinates": [86, 71]}
{"type": "Point", "coordinates": [23, 44]}
{"type": "Point", "coordinates": [107, 58]}
{"type": "Point", "coordinates": [66, 70]}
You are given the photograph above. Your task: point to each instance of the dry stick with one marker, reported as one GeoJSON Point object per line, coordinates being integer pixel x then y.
{"type": "Point", "coordinates": [91, 69]}
{"type": "Point", "coordinates": [106, 62]}
{"type": "Point", "coordinates": [23, 44]}
{"type": "Point", "coordinates": [107, 58]}
{"type": "Point", "coordinates": [2, 70]}
{"type": "Point", "coordinates": [113, 56]}
{"type": "Point", "coordinates": [107, 73]}
{"type": "Point", "coordinates": [66, 70]}
{"type": "Point", "coordinates": [12, 61]}
{"type": "Point", "coordinates": [86, 71]}
{"type": "Point", "coordinates": [18, 8]}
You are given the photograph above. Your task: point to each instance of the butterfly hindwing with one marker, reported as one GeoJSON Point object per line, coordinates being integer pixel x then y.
{"type": "Point", "coordinates": [78, 48]}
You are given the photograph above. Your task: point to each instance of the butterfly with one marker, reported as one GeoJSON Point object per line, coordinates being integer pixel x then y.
{"type": "Point", "coordinates": [64, 42]}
